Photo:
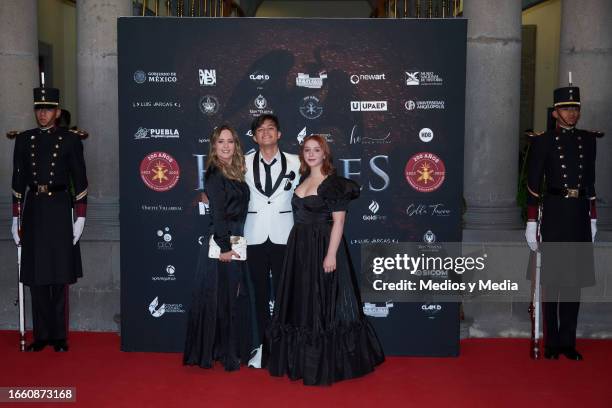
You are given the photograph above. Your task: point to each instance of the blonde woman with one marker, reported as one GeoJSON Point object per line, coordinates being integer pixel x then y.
{"type": "Point", "coordinates": [218, 327]}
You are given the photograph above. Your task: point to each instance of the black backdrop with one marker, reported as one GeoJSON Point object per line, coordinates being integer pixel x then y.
{"type": "Point", "coordinates": [389, 95]}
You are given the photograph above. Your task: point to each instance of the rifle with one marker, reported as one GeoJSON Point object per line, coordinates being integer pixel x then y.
{"type": "Point", "coordinates": [20, 297]}
{"type": "Point", "coordinates": [535, 307]}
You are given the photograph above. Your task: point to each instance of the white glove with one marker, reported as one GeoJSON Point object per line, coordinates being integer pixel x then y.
{"type": "Point", "coordinates": [593, 229]}
{"type": "Point", "coordinates": [15, 230]}
{"type": "Point", "coordinates": [77, 229]}
{"type": "Point", "coordinates": [531, 235]}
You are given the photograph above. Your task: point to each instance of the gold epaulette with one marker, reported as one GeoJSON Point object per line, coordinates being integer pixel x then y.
{"type": "Point", "coordinates": [11, 134]}
{"type": "Point", "coordinates": [80, 133]}
{"type": "Point", "coordinates": [531, 133]}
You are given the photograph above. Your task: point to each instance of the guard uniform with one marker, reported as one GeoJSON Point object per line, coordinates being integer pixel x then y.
{"type": "Point", "coordinates": [49, 181]}
{"type": "Point", "coordinates": [561, 176]}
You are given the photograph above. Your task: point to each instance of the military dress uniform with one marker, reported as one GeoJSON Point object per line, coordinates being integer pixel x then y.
{"type": "Point", "coordinates": [48, 165]}
{"type": "Point", "coordinates": [561, 177]}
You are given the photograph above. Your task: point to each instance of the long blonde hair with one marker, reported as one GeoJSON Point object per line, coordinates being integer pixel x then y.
{"type": "Point", "coordinates": [237, 168]}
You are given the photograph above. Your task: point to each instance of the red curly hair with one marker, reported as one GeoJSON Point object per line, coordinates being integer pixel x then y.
{"type": "Point", "coordinates": [327, 167]}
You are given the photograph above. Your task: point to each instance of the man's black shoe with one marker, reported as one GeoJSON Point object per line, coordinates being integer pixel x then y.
{"type": "Point", "coordinates": [551, 353]}
{"type": "Point", "coordinates": [37, 345]}
{"type": "Point", "coordinates": [572, 354]}
{"type": "Point", "coordinates": [60, 346]}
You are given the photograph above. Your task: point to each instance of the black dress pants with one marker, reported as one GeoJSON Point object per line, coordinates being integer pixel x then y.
{"type": "Point", "coordinates": [560, 310]}
{"type": "Point", "coordinates": [263, 260]}
{"type": "Point", "coordinates": [49, 310]}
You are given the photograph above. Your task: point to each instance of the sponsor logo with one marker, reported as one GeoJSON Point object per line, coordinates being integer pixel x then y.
{"type": "Point", "coordinates": [301, 136]}
{"type": "Point", "coordinates": [140, 77]}
{"type": "Point", "coordinates": [375, 240]}
{"type": "Point", "coordinates": [164, 239]}
{"type": "Point", "coordinates": [371, 309]}
{"type": "Point", "coordinates": [207, 77]}
{"type": "Point", "coordinates": [425, 172]}
{"type": "Point", "coordinates": [356, 138]}
{"type": "Point", "coordinates": [168, 276]}
{"type": "Point", "coordinates": [311, 107]}
{"type": "Point", "coordinates": [355, 78]}
{"type": "Point", "coordinates": [426, 135]}
{"type": "Point", "coordinates": [144, 133]}
{"type": "Point", "coordinates": [411, 105]}
{"type": "Point", "coordinates": [374, 207]}
{"type": "Point", "coordinates": [159, 171]}
{"type": "Point", "coordinates": [156, 104]}
{"type": "Point", "coordinates": [421, 78]}
{"type": "Point", "coordinates": [368, 106]}
{"type": "Point", "coordinates": [209, 105]}
{"type": "Point", "coordinates": [271, 307]}
{"type": "Point", "coordinates": [429, 237]}
{"type": "Point", "coordinates": [436, 210]}
{"type": "Point", "coordinates": [431, 310]}
{"type": "Point", "coordinates": [260, 103]}
{"type": "Point", "coordinates": [305, 81]}
{"type": "Point", "coordinates": [161, 208]}
{"type": "Point", "coordinates": [304, 132]}
{"type": "Point", "coordinates": [158, 310]}
{"type": "Point", "coordinates": [259, 78]}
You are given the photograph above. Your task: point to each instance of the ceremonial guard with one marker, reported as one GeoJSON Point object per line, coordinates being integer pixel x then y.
{"type": "Point", "coordinates": [561, 179]}
{"type": "Point", "coordinates": [49, 191]}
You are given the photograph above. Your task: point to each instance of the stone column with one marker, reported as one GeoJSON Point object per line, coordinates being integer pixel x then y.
{"type": "Point", "coordinates": [19, 68]}
{"type": "Point", "coordinates": [97, 90]}
{"type": "Point", "coordinates": [586, 51]}
{"type": "Point", "coordinates": [492, 114]}
{"type": "Point", "coordinates": [97, 96]}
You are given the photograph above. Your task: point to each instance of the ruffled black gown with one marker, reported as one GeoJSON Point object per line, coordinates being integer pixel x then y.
{"type": "Point", "coordinates": [319, 332]}
{"type": "Point", "coordinates": [219, 322]}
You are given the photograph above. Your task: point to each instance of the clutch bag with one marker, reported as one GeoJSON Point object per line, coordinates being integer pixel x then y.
{"type": "Point", "coordinates": [239, 245]}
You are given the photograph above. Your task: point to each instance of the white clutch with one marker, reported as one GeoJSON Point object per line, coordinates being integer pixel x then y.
{"type": "Point", "coordinates": [239, 245]}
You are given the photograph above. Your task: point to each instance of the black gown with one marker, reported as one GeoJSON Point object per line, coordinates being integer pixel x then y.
{"type": "Point", "coordinates": [219, 322]}
{"type": "Point", "coordinates": [319, 332]}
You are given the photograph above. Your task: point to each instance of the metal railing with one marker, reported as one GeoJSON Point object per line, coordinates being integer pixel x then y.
{"type": "Point", "coordinates": [417, 8]}
{"type": "Point", "coordinates": [188, 8]}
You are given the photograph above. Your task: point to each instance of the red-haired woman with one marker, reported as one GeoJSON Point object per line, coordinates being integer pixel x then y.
{"type": "Point", "coordinates": [319, 333]}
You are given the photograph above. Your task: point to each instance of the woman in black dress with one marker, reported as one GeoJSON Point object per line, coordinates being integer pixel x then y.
{"type": "Point", "coordinates": [319, 333]}
{"type": "Point", "coordinates": [218, 327]}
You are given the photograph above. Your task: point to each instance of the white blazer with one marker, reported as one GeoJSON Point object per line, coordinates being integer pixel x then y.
{"type": "Point", "coordinates": [270, 217]}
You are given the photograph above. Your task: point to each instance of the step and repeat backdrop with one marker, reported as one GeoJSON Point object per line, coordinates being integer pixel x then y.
{"type": "Point", "coordinates": [389, 96]}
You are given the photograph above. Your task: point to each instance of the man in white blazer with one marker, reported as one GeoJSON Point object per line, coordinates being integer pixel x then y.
{"type": "Point", "coordinates": [272, 176]}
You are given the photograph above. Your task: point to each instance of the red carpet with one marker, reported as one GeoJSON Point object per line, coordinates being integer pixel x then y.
{"type": "Point", "coordinates": [490, 372]}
